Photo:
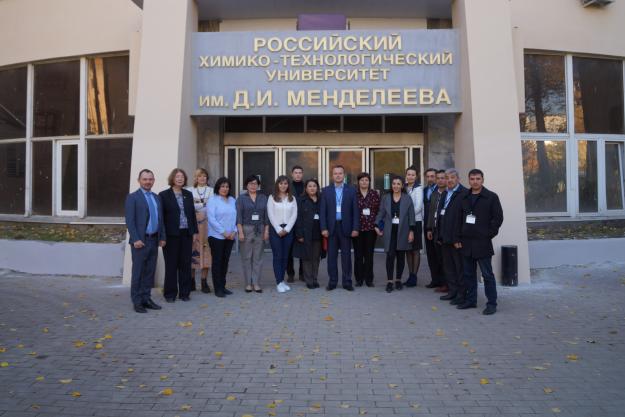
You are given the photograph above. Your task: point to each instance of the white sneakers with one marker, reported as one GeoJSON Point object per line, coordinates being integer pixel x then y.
{"type": "Point", "coordinates": [282, 287]}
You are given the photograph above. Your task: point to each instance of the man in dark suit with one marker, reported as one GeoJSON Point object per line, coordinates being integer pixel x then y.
{"type": "Point", "coordinates": [448, 224]}
{"type": "Point", "coordinates": [428, 190]}
{"type": "Point", "coordinates": [339, 221]}
{"type": "Point", "coordinates": [144, 220]}
{"type": "Point", "coordinates": [482, 217]}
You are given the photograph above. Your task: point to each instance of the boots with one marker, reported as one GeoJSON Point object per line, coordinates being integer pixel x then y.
{"type": "Point", "coordinates": [411, 281]}
{"type": "Point", "coordinates": [205, 288]}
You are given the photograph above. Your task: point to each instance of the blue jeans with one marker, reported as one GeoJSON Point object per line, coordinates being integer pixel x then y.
{"type": "Point", "coordinates": [470, 279]}
{"type": "Point", "coordinates": [280, 247]}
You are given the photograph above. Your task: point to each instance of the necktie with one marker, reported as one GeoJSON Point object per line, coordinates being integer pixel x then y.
{"type": "Point", "coordinates": [152, 226]}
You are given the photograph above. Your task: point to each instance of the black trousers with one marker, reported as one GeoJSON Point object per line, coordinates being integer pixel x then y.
{"type": "Point", "coordinates": [364, 246]}
{"type": "Point", "coordinates": [220, 252]}
{"type": "Point", "coordinates": [143, 268]}
{"type": "Point", "coordinates": [177, 253]}
{"type": "Point", "coordinates": [290, 266]}
{"type": "Point", "coordinates": [452, 265]}
{"type": "Point", "coordinates": [393, 256]}
{"type": "Point", "coordinates": [435, 262]}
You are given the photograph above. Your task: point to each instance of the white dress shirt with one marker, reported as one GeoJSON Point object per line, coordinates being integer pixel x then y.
{"type": "Point", "coordinates": [282, 212]}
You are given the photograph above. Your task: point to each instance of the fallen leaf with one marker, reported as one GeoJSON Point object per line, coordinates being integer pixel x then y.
{"type": "Point", "coordinates": [39, 378]}
{"type": "Point", "coordinates": [439, 332]}
{"type": "Point", "coordinates": [315, 405]}
{"type": "Point", "coordinates": [328, 318]}
{"type": "Point", "coordinates": [572, 358]}
{"type": "Point", "coordinates": [3, 349]}
{"type": "Point", "coordinates": [344, 405]}
{"type": "Point", "coordinates": [65, 381]}
{"type": "Point", "coordinates": [79, 343]}
{"type": "Point", "coordinates": [167, 391]}
{"type": "Point", "coordinates": [185, 324]}
{"type": "Point", "coordinates": [163, 377]}
{"type": "Point", "coordinates": [556, 410]}
{"type": "Point", "coordinates": [99, 346]}
{"type": "Point", "coordinates": [392, 385]}
{"type": "Point", "coordinates": [247, 415]}
{"type": "Point", "coordinates": [548, 390]}
{"type": "Point", "coordinates": [434, 308]}
{"type": "Point", "coordinates": [484, 381]}
{"type": "Point", "coordinates": [130, 370]}
{"type": "Point", "coordinates": [271, 405]}
{"type": "Point", "coordinates": [415, 405]}
{"type": "Point", "coordinates": [35, 406]}
{"type": "Point", "coordinates": [539, 368]}
{"type": "Point", "coordinates": [231, 398]}
{"type": "Point", "coordinates": [200, 333]}
{"type": "Point", "coordinates": [362, 411]}
{"type": "Point", "coordinates": [185, 407]}
{"type": "Point", "coordinates": [76, 394]}
{"type": "Point", "coordinates": [108, 336]}
{"type": "Point", "coordinates": [4, 364]}
{"type": "Point", "coordinates": [219, 354]}
{"type": "Point", "coordinates": [465, 343]}
{"type": "Point", "coordinates": [46, 330]}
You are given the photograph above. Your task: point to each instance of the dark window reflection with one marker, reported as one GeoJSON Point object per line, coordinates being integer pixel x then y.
{"type": "Point", "coordinates": [108, 176]}
{"type": "Point", "coordinates": [587, 176]}
{"type": "Point", "coordinates": [403, 124]}
{"type": "Point", "coordinates": [598, 92]}
{"type": "Point", "coordinates": [545, 94]}
{"type": "Point", "coordinates": [323, 124]}
{"type": "Point", "coordinates": [362, 124]}
{"type": "Point", "coordinates": [57, 91]}
{"type": "Point", "coordinates": [12, 178]}
{"type": "Point", "coordinates": [13, 103]}
{"type": "Point", "coordinates": [544, 175]}
{"type": "Point", "coordinates": [614, 175]}
{"type": "Point", "coordinates": [243, 124]}
{"type": "Point", "coordinates": [42, 178]}
{"type": "Point", "coordinates": [69, 177]}
{"type": "Point", "coordinates": [107, 96]}
{"type": "Point", "coordinates": [284, 124]}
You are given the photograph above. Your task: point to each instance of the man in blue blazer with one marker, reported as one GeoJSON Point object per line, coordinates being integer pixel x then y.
{"type": "Point", "coordinates": [340, 221]}
{"type": "Point", "coordinates": [144, 220]}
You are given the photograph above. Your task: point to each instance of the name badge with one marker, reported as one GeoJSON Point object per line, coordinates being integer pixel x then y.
{"type": "Point", "coordinates": [442, 212]}
{"type": "Point", "coordinates": [255, 217]}
{"type": "Point", "coordinates": [316, 217]}
{"type": "Point", "coordinates": [395, 220]}
{"type": "Point", "coordinates": [471, 219]}
{"type": "Point", "coordinates": [338, 209]}
{"type": "Point", "coordinates": [366, 212]}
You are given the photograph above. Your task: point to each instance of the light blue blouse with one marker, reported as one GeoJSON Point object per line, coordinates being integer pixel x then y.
{"type": "Point", "coordinates": [222, 216]}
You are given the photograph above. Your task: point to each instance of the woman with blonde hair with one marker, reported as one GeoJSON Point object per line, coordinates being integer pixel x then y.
{"type": "Point", "coordinates": [201, 256]}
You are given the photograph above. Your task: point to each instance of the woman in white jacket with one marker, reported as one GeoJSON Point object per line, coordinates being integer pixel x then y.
{"type": "Point", "coordinates": [413, 257]}
{"type": "Point", "coordinates": [282, 214]}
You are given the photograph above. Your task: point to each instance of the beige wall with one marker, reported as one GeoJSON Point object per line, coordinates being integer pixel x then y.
{"type": "Point", "coordinates": [33, 30]}
{"type": "Point", "coordinates": [564, 25]}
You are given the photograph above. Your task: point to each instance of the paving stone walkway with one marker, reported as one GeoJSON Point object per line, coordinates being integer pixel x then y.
{"type": "Point", "coordinates": [72, 346]}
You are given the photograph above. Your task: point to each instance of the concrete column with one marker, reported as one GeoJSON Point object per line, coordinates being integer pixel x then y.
{"type": "Point", "coordinates": [210, 147]}
{"type": "Point", "coordinates": [164, 134]}
{"type": "Point", "coordinates": [440, 140]}
{"type": "Point", "coordinates": [487, 133]}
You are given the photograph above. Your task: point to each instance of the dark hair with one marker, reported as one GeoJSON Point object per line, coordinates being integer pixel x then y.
{"type": "Point", "coordinates": [400, 179]}
{"type": "Point", "coordinates": [221, 181]}
{"type": "Point", "coordinates": [296, 167]}
{"type": "Point", "coordinates": [412, 168]}
{"type": "Point", "coordinates": [316, 183]}
{"type": "Point", "coordinates": [476, 171]}
{"type": "Point", "coordinates": [145, 171]}
{"type": "Point", "coordinates": [338, 166]}
{"type": "Point", "coordinates": [364, 175]}
{"type": "Point", "coordinates": [430, 170]}
{"type": "Point", "coordinates": [440, 171]}
{"type": "Point", "coordinates": [251, 178]}
{"type": "Point", "coordinates": [276, 189]}
{"type": "Point", "coordinates": [172, 175]}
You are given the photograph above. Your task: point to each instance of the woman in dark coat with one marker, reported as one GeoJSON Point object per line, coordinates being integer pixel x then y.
{"type": "Point", "coordinates": [181, 230]}
{"type": "Point", "coordinates": [308, 240]}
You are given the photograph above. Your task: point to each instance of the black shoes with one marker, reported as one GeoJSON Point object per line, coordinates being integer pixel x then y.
{"type": "Point", "coordinates": [227, 291]}
{"type": "Point", "coordinates": [316, 284]}
{"type": "Point", "coordinates": [170, 300]}
{"type": "Point", "coordinates": [151, 305]}
{"type": "Point", "coordinates": [389, 287]}
{"type": "Point", "coordinates": [348, 287]}
{"type": "Point", "coordinates": [359, 283]}
{"type": "Point", "coordinates": [466, 305]}
{"type": "Point", "coordinates": [290, 279]}
{"type": "Point", "coordinates": [369, 284]}
{"type": "Point", "coordinates": [456, 301]}
{"type": "Point", "coordinates": [205, 288]}
{"type": "Point", "coordinates": [398, 285]}
{"type": "Point", "coordinates": [185, 298]}
{"type": "Point", "coordinates": [489, 310]}
{"type": "Point", "coordinates": [431, 285]}
{"type": "Point", "coordinates": [219, 293]}
{"type": "Point", "coordinates": [448, 297]}
{"type": "Point", "coordinates": [330, 287]}
{"type": "Point", "coordinates": [310, 286]}
{"type": "Point", "coordinates": [140, 309]}
{"type": "Point", "coordinates": [411, 281]}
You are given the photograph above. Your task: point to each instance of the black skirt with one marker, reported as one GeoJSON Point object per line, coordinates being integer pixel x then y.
{"type": "Point", "coordinates": [417, 230]}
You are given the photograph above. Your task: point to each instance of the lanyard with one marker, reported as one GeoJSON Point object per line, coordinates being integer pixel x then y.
{"type": "Point", "coordinates": [448, 198]}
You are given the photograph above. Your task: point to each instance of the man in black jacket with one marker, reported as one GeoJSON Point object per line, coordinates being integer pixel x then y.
{"type": "Point", "coordinates": [447, 225]}
{"type": "Point", "coordinates": [297, 189]}
{"type": "Point", "coordinates": [482, 217]}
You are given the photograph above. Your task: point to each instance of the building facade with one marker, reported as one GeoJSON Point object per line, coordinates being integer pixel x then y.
{"type": "Point", "coordinates": [91, 92]}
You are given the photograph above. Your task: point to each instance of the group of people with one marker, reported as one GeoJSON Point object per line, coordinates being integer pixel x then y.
{"type": "Point", "coordinates": [197, 227]}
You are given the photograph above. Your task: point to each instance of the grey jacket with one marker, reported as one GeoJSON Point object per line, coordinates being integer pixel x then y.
{"type": "Point", "coordinates": [430, 221]}
{"type": "Point", "coordinates": [406, 221]}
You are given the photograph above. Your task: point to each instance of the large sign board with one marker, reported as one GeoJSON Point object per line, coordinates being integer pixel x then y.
{"type": "Point", "coordinates": [326, 72]}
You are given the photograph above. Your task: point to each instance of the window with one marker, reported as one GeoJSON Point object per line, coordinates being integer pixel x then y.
{"type": "Point", "coordinates": [544, 175]}
{"type": "Point", "coordinates": [42, 178]}
{"type": "Point", "coordinates": [107, 96]}
{"type": "Point", "coordinates": [13, 103]}
{"type": "Point", "coordinates": [614, 175]}
{"type": "Point", "coordinates": [587, 176]}
{"type": "Point", "coordinates": [12, 177]}
{"type": "Point", "coordinates": [284, 124]}
{"type": "Point", "coordinates": [362, 124]}
{"type": "Point", "coordinates": [56, 100]}
{"type": "Point", "coordinates": [545, 94]}
{"type": "Point", "coordinates": [598, 94]}
{"type": "Point", "coordinates": [403, 124]}
{"type": "Point", "coordinates": [108, 176]}
{"type": "Point", "coordinates": [323, 124]}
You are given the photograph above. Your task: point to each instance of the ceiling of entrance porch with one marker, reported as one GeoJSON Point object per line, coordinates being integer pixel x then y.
{"type": "Point", "coordinates": [261, 9]}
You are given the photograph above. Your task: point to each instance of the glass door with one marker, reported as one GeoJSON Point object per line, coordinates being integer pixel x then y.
{"type": "Point", "coordinates": [67, 178]}
{"type": "Point", "coordinates": [352, 159]}
{"type": "Point", "coordinates": [260, 162]}
{"type": "Point", "coordinates": [308, 158]}
{"type": "Point", "coordinates": [384, 164]}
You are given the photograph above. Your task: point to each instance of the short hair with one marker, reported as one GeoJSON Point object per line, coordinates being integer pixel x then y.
{"type": "Point", "coordinates": [364, 175]}
{"type": "Point", "coordinates": [296, 167]}
{"type": "Point", "coordinates": [252, 178]}
{"type": "Point", "coordinates": [276, 189]}
{"type": "Point", "coordinates": [144, 171]}
{"type": "Point", "coordinates": [221, 181]}
{"type": "Point", "coordinates": [434, 170]}
{"type": "Point", "coordinates": [172, 175]}
{"type": "Point", "coordinates": [338, 166]}
{"type": "Point", "coordinates": [316, 183]}
{"type": "Point", "coordinates": [440, 171]}
{"type": "Point", "coordinates": [476, 171]}
{"type": "Point", "coordinates": [450, 171]}
{"type": "Point", "coordinates": [197, 173]}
